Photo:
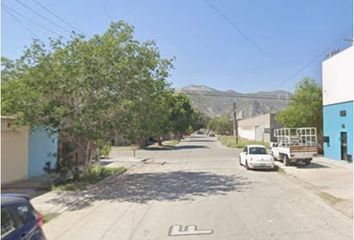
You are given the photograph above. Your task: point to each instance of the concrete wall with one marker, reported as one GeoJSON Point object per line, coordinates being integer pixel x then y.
{"type": "Point", "coordinates": [14, 151]}
{"type": "Point", "coordinates": [338, 77]}
{"type": "Point", "coordinates": [43, 147]}
{"type": "Point", "coordinates": [253, 128]}
{"type": "Point", "coordinates": [333, 125]}
{"type": "Point", "coordinates": [338, 94]}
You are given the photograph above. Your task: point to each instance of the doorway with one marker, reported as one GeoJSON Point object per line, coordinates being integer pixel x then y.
{"type": "Point", "coordinates": [343, 146]}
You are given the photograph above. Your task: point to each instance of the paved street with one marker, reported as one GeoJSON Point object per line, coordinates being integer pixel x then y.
{"type": "Point", "coordinates": [198, 191]}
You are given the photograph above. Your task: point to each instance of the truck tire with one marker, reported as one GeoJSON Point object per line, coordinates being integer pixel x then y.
{"type": "Point", "coordinates": [285, 160]}
{"type": "Point", "coordinates": [307, 161]}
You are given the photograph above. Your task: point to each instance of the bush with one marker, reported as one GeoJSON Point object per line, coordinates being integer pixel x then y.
{"type": "Point", "coordinates": [91, 175]}
{"type": "Point", "coordinates": [105, 150]}
{"type": "Point", "coordinates": [229, 141]}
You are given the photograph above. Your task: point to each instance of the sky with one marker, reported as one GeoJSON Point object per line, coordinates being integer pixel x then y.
{"type": "Point", "coordinates": [244, 45]}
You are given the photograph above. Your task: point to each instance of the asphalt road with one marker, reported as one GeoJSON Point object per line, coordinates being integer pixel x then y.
{"type": "Point", "coordinates": [198, 191]}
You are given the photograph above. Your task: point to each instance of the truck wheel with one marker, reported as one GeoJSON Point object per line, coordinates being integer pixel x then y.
{"type": "Point", "coordinates": [308, 161]}
{"type": "Point", "coordinates": [247, 167]}
{"type": "Point", "coordinates": [285, 160]}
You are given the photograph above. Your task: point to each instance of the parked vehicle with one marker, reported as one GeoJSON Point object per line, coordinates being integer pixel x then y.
{"type": "Point", "coordinates": [19, 220]}
{"type": "Point", "coordinates": [295, 145]}
{"type": "Point", "coordinates": [256, 156]}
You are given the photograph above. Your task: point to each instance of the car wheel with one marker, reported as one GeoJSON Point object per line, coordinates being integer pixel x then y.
{"type": "Point", "coordinates": [285, 160]}
{"type": "Point", "coordinates": [240, 162]}
{"type": "Point", "coordinates": [247, 167]}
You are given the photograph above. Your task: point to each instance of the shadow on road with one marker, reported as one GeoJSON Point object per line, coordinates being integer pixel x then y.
{"type": "Point", "coordinates": [170, 148]}
{"type": "Point", "coordinates": [160, 186]}
{"type": "Point", "coordinates": [313, 165]}
{"type": "Point", "coordinates": [200, 140]}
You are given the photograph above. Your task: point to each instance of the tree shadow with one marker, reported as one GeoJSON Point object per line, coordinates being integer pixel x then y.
{"type": "Point", "coordinates": [171, 148]}
{"type": "Point", "coordinates": [200, 140]}
{"type": "Point", "coordinates": [159, 186]}
{"type": "Point", "coordinates": [183, 147]}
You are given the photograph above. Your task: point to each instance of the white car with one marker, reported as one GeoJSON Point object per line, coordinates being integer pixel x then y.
{"type": "Point", "coordinates": [256, 156]}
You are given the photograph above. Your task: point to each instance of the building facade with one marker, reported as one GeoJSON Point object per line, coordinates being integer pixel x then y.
{"type": "Point", "coordinates": [338, 97]}
{"type": "Point", "coordinates": [258, 128]}
{"type": "Point", "coordinates": [25, 150]}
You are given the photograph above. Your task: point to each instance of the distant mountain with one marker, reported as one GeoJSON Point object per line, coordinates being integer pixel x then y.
{"type": "Point", "coordinates": [214, 102]}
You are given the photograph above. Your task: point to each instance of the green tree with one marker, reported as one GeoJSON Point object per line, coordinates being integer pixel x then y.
{"type": "Point", "coordinates": [221, 125]}
{"type": "Point", "coordinates": [305, 107]}
{"type": "Point", "coordinates": [181, 113]}
{"type": "Point", "coordinates": [89, 89]}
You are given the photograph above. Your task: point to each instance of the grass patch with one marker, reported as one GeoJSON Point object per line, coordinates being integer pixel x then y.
{"type": "Point", "coordinates": [229, 141]}
{"type": "Point", "coordinates": [92, 175]}
{"type": "Point", "coordinates": [49, 216]}
{"type": "Point", "coordinates": [329, 198]}
{"type": "Point", "coordinates": [171, 143]}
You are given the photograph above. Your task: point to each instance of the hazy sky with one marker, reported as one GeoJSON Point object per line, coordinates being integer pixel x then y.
{"type": "Point", "coordinates": [246, 45]}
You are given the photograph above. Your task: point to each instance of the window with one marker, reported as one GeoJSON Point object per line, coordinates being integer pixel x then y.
{"type": "Point", "coordinates": [245, 149]}
{"type": "Point", "coordinates": [24, 213]}
{"type": "Point", "coordinates": [258, 150]}
{"type": "Point", "coordinates": [7, 222]}
{"type": "Point", "coordinates": [343, 113]}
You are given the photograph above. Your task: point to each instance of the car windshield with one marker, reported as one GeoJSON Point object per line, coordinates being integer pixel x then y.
{"type": "Point", "coordinates": [258, 150]}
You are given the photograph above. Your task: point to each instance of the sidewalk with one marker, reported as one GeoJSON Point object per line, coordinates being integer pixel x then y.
{"type": "Point", "coordinates": [55, 202]}
{"type": "Point", "coordinates": [332, 180]}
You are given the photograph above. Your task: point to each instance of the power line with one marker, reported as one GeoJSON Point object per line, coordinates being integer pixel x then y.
{"type": "Point", "coordinates": [43, 17]}
{"type": "Point", "coordinates": [29, 19]}
{"type": "Point", "coordinates": [106, 10]}
{"type": "Point", "coordinates": [58, 17]}
{"type": "Point", "coordinates": [237, 28]}
{"type": "Point", "coordinates": [302, 68]}
{"type": "Point", "coordinates": [238, 96]}
{"type": "Point", "coordinates": [20, 22]}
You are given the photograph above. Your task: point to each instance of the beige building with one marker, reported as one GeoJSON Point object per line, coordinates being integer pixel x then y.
{"type": "Point", "coordinates": [14, 151]}
{"type": "Point", "coordinates": [258, 128]}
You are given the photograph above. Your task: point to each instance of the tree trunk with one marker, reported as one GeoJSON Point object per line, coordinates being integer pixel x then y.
{"type": "Point", "coordinates": [159, 141]}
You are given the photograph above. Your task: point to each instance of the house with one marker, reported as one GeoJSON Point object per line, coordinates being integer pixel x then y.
{"type": "Point", "coordinates": [258, 128]}
{"type": "Point", "coordinates": [338, 96]}
{"type": "Point", "coordinates": [25, 150]}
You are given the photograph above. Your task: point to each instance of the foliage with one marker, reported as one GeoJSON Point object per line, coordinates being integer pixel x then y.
{"type": "Point", "coordinates": [199, 120]}
{"type": "Point", "coordinates": [221, 125]}
{"type": "Point", "coordinates": [305, 108]}
{"type": "Point", "coordinates": [105, 150]}
{"type": "Point", "coordinates": [230, 141]}
{"type": "Point", "coordinates": [89, 89]}
{"type": "Point", "coordinates": [181, 113]}
{"type": "Point", "coordinates": [91, 175]}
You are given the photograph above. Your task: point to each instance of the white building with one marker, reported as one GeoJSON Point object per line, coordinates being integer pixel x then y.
{"type": "Point", "coordinates": [258, 128]}
{"type": "Point", "coordinates": [338, 97]}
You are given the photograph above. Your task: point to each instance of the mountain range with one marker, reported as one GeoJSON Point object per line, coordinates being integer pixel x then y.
{"type": "Point", "coordinates": [215, 102]}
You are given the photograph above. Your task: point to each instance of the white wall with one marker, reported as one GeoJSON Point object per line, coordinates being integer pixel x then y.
{"type": "Point", "coordinates": [247, 133]}
{"type": "Point", "coordinates": [338, 77]}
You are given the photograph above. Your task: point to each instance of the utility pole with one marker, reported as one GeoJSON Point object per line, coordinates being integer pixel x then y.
{"type": "Point", "coordinates": [235, 124]}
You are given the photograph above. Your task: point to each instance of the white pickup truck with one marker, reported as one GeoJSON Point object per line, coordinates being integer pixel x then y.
{"type": "Point", "coordinates": [295, 145]}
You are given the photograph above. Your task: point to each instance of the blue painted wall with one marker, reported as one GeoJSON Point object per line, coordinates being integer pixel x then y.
{"type": "Point", "coordinates": [41, 145]}
{"type": "Point", "coordinates": [333, 125]}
